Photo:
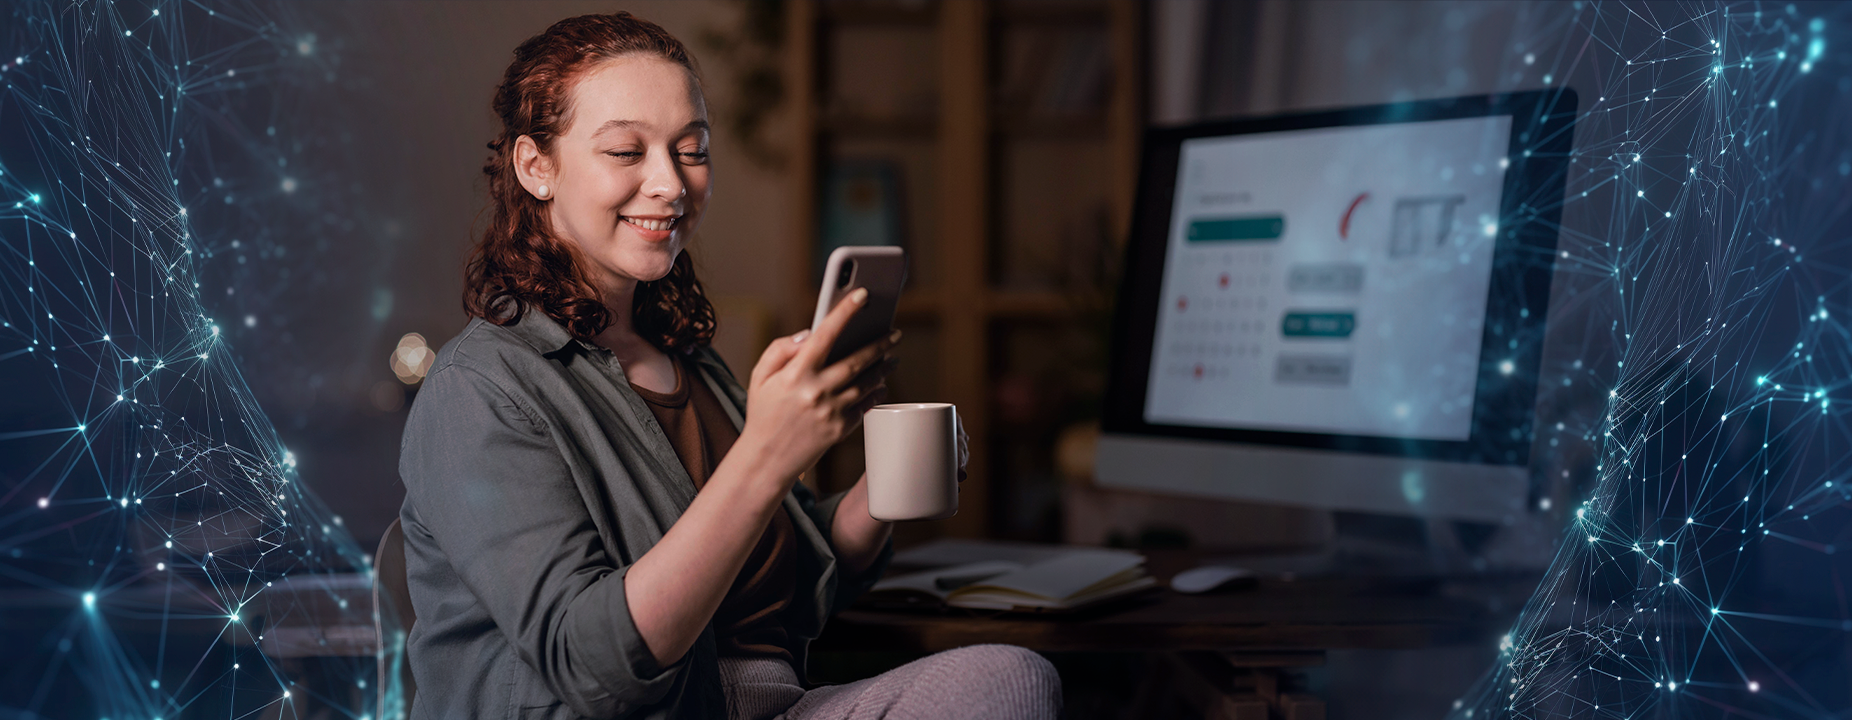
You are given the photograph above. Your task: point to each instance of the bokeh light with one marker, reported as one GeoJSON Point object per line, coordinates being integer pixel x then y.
{"type": "Point", "coordinates": [412, 359]}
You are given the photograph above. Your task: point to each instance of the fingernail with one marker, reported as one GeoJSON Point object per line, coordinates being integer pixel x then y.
{"type": "Point", "coordinates": [859, 296]}
{"type": "Point", "coordinates": [893, 336]}
{"type": "Point", "coordinates": [799, 337]}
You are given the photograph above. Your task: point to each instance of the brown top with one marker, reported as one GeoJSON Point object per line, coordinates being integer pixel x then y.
{"type": "Point", "coordinates": [747, 623]}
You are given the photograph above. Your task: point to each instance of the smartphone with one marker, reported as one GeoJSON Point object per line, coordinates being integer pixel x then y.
{"type": "Point", "coordinates": [882, 270]}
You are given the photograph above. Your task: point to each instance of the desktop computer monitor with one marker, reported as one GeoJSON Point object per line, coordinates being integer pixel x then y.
{"type": "Point", "coordinates": [1341, 309]}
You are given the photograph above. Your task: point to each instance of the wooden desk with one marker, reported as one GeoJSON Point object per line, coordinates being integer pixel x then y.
{"type": "Point", "coordinates": [1229, 651]}
{"type": "Point", "coordinates": [1277, 615]}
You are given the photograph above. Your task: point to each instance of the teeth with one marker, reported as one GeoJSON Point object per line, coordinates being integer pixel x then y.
{"type": "Point", "coordinates": [648, 224]}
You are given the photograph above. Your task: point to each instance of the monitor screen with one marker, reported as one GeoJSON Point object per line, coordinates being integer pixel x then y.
{"type": "Point", "coordinates": [1330, 280]}
{"type": "Point", "coordinates": [1370, 280]}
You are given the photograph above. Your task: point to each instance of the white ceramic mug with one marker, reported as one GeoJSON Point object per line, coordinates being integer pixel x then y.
{"type": "Point", "coordinates": [912, 461]}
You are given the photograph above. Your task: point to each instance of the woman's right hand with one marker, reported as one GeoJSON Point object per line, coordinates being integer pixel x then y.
{"type": "Point", "coordinates": [796, 407]}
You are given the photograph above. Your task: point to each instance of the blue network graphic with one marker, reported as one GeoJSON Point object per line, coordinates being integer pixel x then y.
{"type": "Point", "coordinates": [1696, 394]}
{"type": "Point", "coordinates": [160, 557]}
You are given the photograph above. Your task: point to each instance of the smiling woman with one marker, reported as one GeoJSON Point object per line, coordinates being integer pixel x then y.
{"type": "Point", "coordinates": [558, 201]}
{"type": "Point", "coordinates": [594, 524]}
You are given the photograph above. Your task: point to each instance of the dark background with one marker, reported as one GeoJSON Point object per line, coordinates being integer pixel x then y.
{"type": "Point", "coordinates": [332, 183]}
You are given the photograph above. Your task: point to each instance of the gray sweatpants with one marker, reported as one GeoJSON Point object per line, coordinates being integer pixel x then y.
{"type": "Point", "coordinates": [978, 682]}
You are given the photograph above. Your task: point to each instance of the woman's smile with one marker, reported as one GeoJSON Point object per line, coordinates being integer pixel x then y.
{"type": "Point", "coordinates": [654, 228]}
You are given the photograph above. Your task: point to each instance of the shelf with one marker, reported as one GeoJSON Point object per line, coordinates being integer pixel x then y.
{"type": "Point", "coordinates": [1016, 127]}
{"type": "Point", "coordinates": [917, 307]}
{"type": "Point", "coordinates": [1008, 125]}
{"type": "Point", "coordinates": [852, 126]}
{"type": "Point", "coordinates": [871, 12]}
{"type": "Point", "coordinates": [1030, 305]}
{"type": "Point", "coordinates": [927, 305]}
{"type": "Point", "coordinates": [1052, 12]}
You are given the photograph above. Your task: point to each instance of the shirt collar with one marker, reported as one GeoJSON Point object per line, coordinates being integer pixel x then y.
{"type": "Point", "coordinates": [542, 331]}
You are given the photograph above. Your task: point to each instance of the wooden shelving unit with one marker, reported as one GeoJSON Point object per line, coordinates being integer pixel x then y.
{"type": "Point", "coordinates": [959, 300]}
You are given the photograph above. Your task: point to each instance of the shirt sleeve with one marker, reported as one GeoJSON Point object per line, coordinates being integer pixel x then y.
{"type": "Point", "coordinates": [488, 482]}
{"type": "Point", "coordinates": [849, 585]}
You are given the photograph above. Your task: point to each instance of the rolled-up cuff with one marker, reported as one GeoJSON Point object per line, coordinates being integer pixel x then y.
{"type": "Point", "coordinates": [621, 662]}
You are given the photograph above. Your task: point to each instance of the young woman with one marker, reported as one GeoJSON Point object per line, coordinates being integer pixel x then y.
{"type": "Point", "coordinates": [599, 521]}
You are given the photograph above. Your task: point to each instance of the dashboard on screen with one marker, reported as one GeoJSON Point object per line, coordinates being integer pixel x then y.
{"type": "Point", "coordinates": [1372, 279]}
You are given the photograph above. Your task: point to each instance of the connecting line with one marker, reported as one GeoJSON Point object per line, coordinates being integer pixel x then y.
{"type": "Point", "coordinates": [1674, 243]}
{"type": "Point", "coordinates": [166, 476]}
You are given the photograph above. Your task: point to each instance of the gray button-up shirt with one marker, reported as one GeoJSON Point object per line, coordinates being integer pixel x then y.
{"type": "Point", "coordinates": [534, 477]}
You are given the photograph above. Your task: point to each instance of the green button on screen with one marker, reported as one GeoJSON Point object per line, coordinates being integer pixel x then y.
{"type": "Point", "coordinates": [1318, 324]}
{"type": "Point", "coordinates": [1237, 229]}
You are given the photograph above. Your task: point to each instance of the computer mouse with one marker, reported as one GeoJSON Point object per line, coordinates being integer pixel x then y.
{"type": "Point", "coordinates": [1209, 577]}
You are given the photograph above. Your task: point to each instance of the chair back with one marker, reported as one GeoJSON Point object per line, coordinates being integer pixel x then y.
{"type": "Point", "coordinates": [393, 618]}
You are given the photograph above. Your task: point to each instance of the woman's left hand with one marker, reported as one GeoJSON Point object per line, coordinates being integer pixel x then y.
{"type": "Point", "coordinates": [964, 444]}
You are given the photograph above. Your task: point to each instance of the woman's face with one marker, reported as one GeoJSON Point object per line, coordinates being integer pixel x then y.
{"type": "Point", "coordinates": [629, 176]}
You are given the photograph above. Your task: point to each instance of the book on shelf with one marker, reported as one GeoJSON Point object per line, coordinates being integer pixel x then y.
{"type": "Point", "coordinates": [1063, 581]}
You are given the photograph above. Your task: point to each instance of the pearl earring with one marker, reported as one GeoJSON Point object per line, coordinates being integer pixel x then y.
{"type": "Point", "coordinates": [543, 192]}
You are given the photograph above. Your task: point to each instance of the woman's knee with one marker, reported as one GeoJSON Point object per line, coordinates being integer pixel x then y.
{"type": "Point", "coordinates": [1010, 665]}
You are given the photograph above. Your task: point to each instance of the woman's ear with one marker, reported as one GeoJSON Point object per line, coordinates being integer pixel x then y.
{"type": "Point", "coordinates": [533, 168]}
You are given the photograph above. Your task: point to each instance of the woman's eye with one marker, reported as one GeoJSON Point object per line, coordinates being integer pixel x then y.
{"type": "Point", "coordinates": [694, 157]}
{"type": "Point", "coordinates": [625, 154]}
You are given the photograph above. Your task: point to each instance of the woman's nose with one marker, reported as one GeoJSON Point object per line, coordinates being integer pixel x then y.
{"type": "Point", "coordinates": [664, 179]}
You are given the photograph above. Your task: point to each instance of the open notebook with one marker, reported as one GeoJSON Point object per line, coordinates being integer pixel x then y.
{"type": "Point", "coordinates": [1066, 581]}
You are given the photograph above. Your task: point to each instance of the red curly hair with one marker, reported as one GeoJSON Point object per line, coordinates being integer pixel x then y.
{"type": "Point", "coordinates": [520, 264]}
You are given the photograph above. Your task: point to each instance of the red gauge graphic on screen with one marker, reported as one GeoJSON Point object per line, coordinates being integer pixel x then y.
{"type": "Point", "coordinates": [1344, 224]}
